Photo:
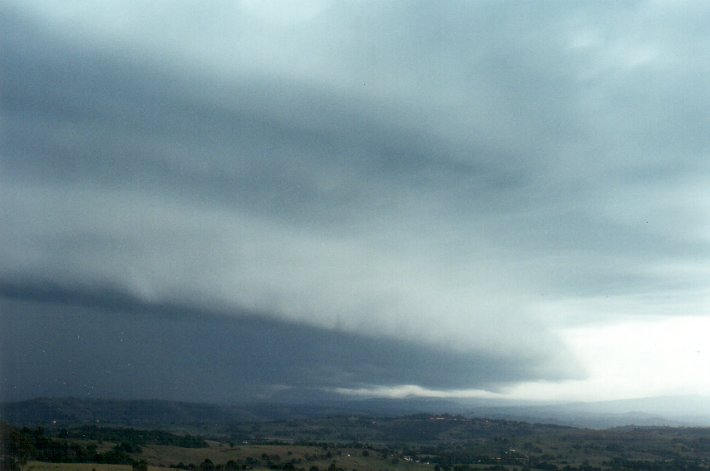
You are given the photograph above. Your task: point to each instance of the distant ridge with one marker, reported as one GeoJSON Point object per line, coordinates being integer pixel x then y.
{"type": "Point", "coordinates": [43, 411]}
{"type": "Point", "coordinates": [156, 412]}
{"type": "Point", "coordinates": [691, 411]}
{"type": "Point", "coordinates": [113, 411]}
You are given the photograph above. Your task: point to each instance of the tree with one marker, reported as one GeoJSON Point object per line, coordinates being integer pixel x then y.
{"type": "Point", "coordinates": [19, 447]}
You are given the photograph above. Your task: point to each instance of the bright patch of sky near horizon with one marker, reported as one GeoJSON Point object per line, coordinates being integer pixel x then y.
{"type": "Point", "coordinates": [508, 183]}
{"type": "Point", "coordinates": [625, 361]}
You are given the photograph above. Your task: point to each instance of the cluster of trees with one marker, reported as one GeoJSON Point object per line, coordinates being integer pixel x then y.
{"type": "Point", "coordinates": [232, 465]}
{"type": "Point", "coordinates": [668, 465]}
{"type": "Point", "coordinates": [133, 436]}
{"type": "Point", "coordinates": [209, 465]}
{"type": "Point", "coordinates": [21, 445]}
{"type": "Point", "coordinates": [272, 461]}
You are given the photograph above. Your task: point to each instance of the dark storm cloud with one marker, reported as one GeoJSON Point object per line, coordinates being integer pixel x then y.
{"type": "Point", "coordinates": [101, 345]}
{"type": "Point", "coordinates": [391, 176]}
{"type": "Point", "coordinates": [75, 116]}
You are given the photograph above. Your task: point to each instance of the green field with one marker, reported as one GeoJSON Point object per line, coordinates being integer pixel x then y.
{"type": "Point", "coordinates": [41, 466]}
{"type": "Point", "coordinates": [412, 443]}
{"type": "Point", "coordinates": [273, 456]}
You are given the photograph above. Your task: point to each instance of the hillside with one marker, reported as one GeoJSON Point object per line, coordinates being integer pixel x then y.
{"type": "Point", "coordinates": [410, 443]}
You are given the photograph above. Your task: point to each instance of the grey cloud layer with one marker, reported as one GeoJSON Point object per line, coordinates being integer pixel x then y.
{"type": "Point", "coordinates": [102, 344]}
{"type": "Point", "coordinates": [437, 176]}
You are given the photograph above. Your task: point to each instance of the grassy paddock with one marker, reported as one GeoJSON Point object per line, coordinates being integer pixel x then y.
{"type": "Point", "coordinates": [347, 459]}
{"type": "Point", "coordinates": [41, 466]}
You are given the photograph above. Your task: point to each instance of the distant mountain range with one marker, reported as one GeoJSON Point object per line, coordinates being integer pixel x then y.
{"type": "Point", "coordinates": [663, 411]}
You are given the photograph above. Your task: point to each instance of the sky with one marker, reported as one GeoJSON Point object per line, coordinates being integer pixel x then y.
{"type": "Point", "coordinates": [240, 200]}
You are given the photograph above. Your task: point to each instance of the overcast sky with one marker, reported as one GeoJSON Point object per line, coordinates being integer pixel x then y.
{"type": "Point", "coordinates": [228, 200]}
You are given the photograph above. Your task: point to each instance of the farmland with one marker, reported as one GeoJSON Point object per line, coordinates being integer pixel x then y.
{"type": "Point", "coordinates": [411, 443]}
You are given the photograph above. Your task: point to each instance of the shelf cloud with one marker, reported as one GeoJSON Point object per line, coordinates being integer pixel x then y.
{"type": "Point", "coordinates": [345, 196]}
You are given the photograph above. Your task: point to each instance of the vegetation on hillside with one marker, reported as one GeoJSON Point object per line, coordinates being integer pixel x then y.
{"type": "Point", "coordinates": [412, 443]}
